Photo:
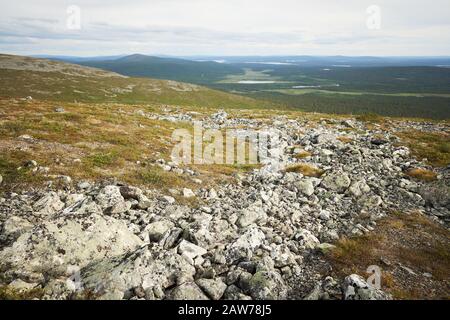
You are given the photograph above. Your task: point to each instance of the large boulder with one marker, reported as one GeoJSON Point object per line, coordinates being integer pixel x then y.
{"type": "Point", "coordinates": [54, 245]}
{"type": "Point", "coordinates": [356, 288]}
{"type": "Point", "coordinates": [149, 268]}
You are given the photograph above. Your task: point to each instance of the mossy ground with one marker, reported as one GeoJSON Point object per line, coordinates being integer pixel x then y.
{"type": "Point", "coordinates": [411, 240]}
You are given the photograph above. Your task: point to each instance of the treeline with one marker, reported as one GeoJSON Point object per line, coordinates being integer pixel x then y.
{"type": "Point", "coordinates": [394, 106]}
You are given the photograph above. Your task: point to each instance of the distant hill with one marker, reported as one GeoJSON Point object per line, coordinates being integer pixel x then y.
{"type": "Point", "coordinates": [138, 65]}
{"type": "Point", "coordinates": [59, 81]}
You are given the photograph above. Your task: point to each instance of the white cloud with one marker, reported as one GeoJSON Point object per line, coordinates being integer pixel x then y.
{"type": "Point", "coordinates": [226, 27]}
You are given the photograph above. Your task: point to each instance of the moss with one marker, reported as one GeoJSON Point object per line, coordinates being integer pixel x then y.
{"type": "Point", "coordinates": [7, 293]}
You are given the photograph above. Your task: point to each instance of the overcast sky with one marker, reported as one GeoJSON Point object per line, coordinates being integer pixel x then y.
{"type": "Point", "coordinates": [226, 27]}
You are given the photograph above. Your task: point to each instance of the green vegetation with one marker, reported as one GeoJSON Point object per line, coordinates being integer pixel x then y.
{"type": "Point", "coordinates": [399, 91]}
{"type": "Point", "coordinates": [59, 87]}
{"type": "Point", "coordinates": [435, 147]}
{"type": "Point", "coordinates": [408, 239]}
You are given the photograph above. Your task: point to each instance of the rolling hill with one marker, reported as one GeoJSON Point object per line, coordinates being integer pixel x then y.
{"type": "Point", "coordinates": [138, 65]}
{"type": "Point", "coordinates": [59, 81]}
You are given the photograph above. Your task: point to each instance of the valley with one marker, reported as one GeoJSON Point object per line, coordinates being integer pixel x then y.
{"type": "Point", "coordinates": [384, 86]}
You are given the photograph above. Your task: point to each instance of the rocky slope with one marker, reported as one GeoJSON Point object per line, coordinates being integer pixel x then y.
{"type": "Point", "coordinates": [254, 239]}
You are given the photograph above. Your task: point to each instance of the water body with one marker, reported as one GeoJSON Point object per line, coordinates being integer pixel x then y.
{"type": "Point", "coordinates": [255, 82]}
{"type": "Point", "coordinates": [273, 63]}
{"type": "Point", "coordinates": [342, 65]}
{"type": "Point", "coordinates": [316, 87]}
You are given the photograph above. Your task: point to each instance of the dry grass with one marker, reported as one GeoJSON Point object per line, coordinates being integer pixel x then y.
{"type": "Point", "coordinates": [422, 174]}
{"type": "Point", "coordinates": [110, 140]}
{"type": "Point", "coordinates": [412, 240]}
{"type": "Point", "coordinates": [434, 146]}
{"type": "Point", "coordinates": [302, 154]}
{"type": "Point", "coordinates": [305, 169]}
{"type": "Point", "coordinates": [344, 139]}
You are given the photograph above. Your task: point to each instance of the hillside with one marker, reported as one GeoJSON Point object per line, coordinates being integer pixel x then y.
{"type": "Point", "coordinates": [59, 81]}
{"type": "Point", "coordinates": [93, 206]}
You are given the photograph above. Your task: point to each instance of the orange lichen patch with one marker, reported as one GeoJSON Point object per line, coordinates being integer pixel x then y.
{"type": "Point", "coordinates": [422, 174]}
{"type": "Point", "coordinates": [305, 169]}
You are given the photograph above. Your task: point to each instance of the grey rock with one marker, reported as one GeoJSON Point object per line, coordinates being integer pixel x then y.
{"type": "Point", "coordinates": [190, 251]}
{"type": "Point", "coordinates": [53, 245]}
{"type": "Point", "coordinates": [188, 193]}
{"type": "Point", "coordinates": [305, 186]}
{"type": "Point", "coordinates": [254, 213]}
{"type": "Point", "coordinates": [148, 267]}
{"type": "Point", "coordinates": [356, 288]}
{"type": "Point", "coordinates": [267, 285]}
{"type": "Point", "coordinates": [157, 229]}
{"type": "Point", "coordinates": [245, 245]}
{"type": "Point", "coordinates": [187, 291]}
{"type": "Point", "coordinates": [337, 181]}
{"type": "Point", "coordinates": [213, 288]}
{"type": "Point", "coordinates": [48, 204]}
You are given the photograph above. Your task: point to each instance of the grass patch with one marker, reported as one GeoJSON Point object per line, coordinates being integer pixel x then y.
{"type": "Point", "coordinates": [102, 159]}
{"type": "Point", "coordinates": [422, 174]}
{"type": "Point", "coordinates": [305, 169]}
{"type": "Point", "coordinates": [411, 240]}
{"type": "Point", "coordinates": [434, 146]}
{"type": "Point", "coordinates": [302, 154]}
{"type": "Point", "coordinates": [344, 139]}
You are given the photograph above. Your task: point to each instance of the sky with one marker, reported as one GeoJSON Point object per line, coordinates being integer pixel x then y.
{"type": "Point", "coordinates": [226, 27]}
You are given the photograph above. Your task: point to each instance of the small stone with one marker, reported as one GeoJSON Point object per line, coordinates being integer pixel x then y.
{"type": "Point", "coordinates": [169, 199]}
{"type": "Point", "coordinates": [324, 215]}
{"type": "Point", "coordinates": [306, 187]}
{"type": "Point", "coordinates": [59, 109]}
{"type": "Point", "coordinates": [188, 193]}
{"type": "Point", "coordinates": [84, 185]}
{"type": "Point", "coordinates": [252, 214]}
{"type": "Point", "coordinates": [31, 164]}
{"type": "Point", "coordinates": [337, 181]}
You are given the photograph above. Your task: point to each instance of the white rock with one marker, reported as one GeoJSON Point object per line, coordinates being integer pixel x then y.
{"type": "Point", "coordinates": [188, 193]}
{"type": "Point", "coordinates": [190, 250]}
{"type": "Point", "coordinates": [305, 186]}
{"type": "Point", "coordinates": [48, 204]}
{"type": "Point", "coordinates": [254, 213]}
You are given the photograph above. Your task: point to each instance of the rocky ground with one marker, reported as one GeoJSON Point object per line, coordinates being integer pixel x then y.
{"type": "Point", "coordinates": [262, 237]}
